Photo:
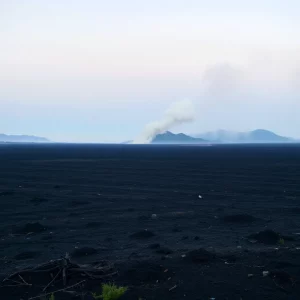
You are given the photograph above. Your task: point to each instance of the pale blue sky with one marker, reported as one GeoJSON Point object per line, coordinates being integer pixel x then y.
{"type": "Point", "coordinates": [94, 70]}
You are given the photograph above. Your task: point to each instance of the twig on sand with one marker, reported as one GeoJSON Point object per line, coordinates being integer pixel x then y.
{"type": "Point", "coordinates": [61, 290]}
{"type": "Point", "coordinates": [280, 287]}
{"type": "Point", "coordinates": [45, 288]}
{"type": "Point", "coordinates": [26, 283]}
{"type": "Point", "coordinates": [173, 288]}
{"type": "Point", "coordinates": [65, 265]}
{"type": "Point", "coordinates": [63, 269]}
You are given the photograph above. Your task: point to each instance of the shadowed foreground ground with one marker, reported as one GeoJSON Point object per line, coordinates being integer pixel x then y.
{"type": "Point", "coordinates": [146, 211]}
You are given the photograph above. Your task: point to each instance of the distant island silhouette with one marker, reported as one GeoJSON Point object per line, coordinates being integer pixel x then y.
{"type": "Point", "coordinates": [172, 138]}
{"type": "Point", "coordinates": [219, 136]}
{"type": "Point", "coordinates": [222, 136]}
{"type": "Point", "coordinates": [5, 138]}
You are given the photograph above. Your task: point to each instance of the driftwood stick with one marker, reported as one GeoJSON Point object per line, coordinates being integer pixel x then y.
{"type": "Point", "coordinates": [45, 288]}
{"type": "Point", "coordinates": [65, 265]}
{"type": "Point", "coordinates": [280, 287]}
{"type": "Point", "coordinates": [61, 290]}
{"type": "Point", "coordinates": [24, 281]}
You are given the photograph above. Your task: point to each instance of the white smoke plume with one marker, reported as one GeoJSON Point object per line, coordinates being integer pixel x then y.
{"type": "Point", "coordinates": [178, 113]}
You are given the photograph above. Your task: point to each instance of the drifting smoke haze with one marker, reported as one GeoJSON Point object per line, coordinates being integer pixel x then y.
{"type": "Point", "coordinates": [178, 113]}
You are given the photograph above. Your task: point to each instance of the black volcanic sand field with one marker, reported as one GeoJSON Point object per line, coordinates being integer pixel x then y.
{"type": "Point", "coordinates": [173, 222]}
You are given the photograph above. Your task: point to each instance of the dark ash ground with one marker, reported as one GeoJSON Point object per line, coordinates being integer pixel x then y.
{"type": "Point", "coordinates": [61, 198]}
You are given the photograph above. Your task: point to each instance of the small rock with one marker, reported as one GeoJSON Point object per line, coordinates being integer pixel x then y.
{"type": "Point", "coordinates": [153, 216]}
{"type": "Point", "coordinates": [265, 273]}
{"type": "Point", "coordinates": [250, 275]}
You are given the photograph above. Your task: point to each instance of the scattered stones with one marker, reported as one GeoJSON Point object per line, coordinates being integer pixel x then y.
{"type": "Point", "coordinates": [31, 228]}
{"type": "Point", "coordinates": [239, 218]}
{"type": "Point", "coordinates": [143, 234]}
{"type": "Point", "coordinates": [85, 251]}
{"type": "Point", "coordinates": [201, 256]}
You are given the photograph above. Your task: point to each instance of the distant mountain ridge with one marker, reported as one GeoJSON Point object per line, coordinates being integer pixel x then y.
{"type": "Point", "coordinates": [4, 138]}
{"type": "Point", "coordinates": [255, 136]}
{"type": "Point", "coordinates": [172, 138]}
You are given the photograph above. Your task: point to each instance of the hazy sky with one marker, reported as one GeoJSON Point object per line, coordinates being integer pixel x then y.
{"type": "Point", "coordinates": [98, 70]}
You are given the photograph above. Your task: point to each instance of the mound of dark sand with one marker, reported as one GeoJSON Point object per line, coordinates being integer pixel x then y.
{"type": "Point", "coordinates": [164, 250]}
{"type": "Point", "coordinates": [269, 237]}
{"type": "Point", "coordinates": [94, 224]}
{"type": "Point", "coordinates": [201, 256]}
{"type": "Point", "coordinates": [266, 237]}
{"type": "Point", "coordinates": [143, 234]}
{"type": "Point", "coordinates": [154, 246]}
{"type": "Point", "coordinates": [79, 202]}
{"type": "Point", "coordinates": [30, 228]}
{"type": "Point", "coordinates": [281, 277]}
{"type": "Point", "coordinates": [239, 218]}
{"type": "Point", "coordinates": [7, 193]}
{"type": "Point", "coordinates": [84, 251]}
{"type": "Point", "coordinates": [38, 200]}
{"type": "Point", "coordinates": [143, 218]}
{"type": "Point", "coordinates": [143, 272]}
{"type": "Point", "coordinates": [27, 255]}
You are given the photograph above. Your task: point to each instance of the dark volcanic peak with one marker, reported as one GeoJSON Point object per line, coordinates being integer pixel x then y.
{"type": "Point", "coordinates": [22, 139]}
{"type": "Point", "coordinates": [172, 138]}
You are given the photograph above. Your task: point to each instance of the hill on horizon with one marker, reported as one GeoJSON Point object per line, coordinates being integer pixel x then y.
{"type": "Point", "coordinates": [5, 138]}
{"type": "Point", "coordinates": [255, 136]}
{"type": "Point", "coordinates": [172, 138]}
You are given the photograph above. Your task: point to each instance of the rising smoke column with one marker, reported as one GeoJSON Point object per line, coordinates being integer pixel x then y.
{"type": "Point", "coordinates": [178, 113]}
